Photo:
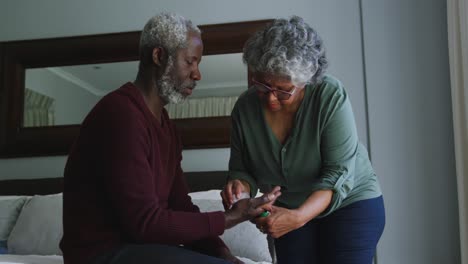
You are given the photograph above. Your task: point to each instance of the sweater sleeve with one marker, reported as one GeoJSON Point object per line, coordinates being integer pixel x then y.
{"type": "Point", "coordinates": [180, 200]}
{"type": "Point", "coordinates": [338, 147]}
{"type": "Point", "coordinates": [123, 145]}
{"type": "Point", "coordinates": [237, 168]}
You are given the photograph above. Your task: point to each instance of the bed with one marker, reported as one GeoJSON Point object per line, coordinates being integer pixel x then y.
{"type": "Point", "coordinates": [31, 220]}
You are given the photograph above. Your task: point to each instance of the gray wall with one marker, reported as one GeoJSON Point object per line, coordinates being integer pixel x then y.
{"type": "Point", "coordinates": [408, 96]}
{"type": "Point", "coordinates": [337, 21]}
{"type": "Point", "coordinates": [410, 124]}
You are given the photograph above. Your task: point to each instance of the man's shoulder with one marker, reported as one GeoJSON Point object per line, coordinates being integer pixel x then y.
{"type": "Point", "coordinates": [118, 105]}
{"type": "Point", "coordinates": [122, 96]}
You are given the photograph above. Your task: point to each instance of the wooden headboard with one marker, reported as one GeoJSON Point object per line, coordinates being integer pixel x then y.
{"type": "Point", "coordinates": [197, 181]}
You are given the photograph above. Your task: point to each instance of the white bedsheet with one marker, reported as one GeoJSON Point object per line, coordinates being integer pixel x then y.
{"type": "Point", "coordinates": [248, 261]}
{"type": "Point", "coordinates": [35, 259]}
{"type": "Point", "coordinates": [30, 259]}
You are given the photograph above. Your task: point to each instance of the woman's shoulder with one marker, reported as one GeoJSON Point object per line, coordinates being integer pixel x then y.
{"type": "Point", "coordinates": [330, 86]}
{"type": "Point", "coordinates": [246, 99]}
{"type": "Point", "coordinates": [332, 80]}
{"type": "Point", "coordinates": [247, 95]}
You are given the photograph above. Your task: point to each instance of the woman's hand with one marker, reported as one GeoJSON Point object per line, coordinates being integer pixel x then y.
{"type": "Point", "coordinates": [232, 191]}
{"type": "Point", "coordinates": [282, 220]}
{"type": "Point", "coordinates": [279, 222]}
{"type": "Point", "coordinates": [247, 209]}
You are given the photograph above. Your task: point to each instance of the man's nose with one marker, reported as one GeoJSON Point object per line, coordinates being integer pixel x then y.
{"type": "Point", "coordinates": [196, 74]}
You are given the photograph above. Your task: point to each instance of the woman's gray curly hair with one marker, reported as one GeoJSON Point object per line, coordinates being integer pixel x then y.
{"type": "Point", "coordinates": [287, 48]}
{"type": "Point", "coordinates": [166, 30]}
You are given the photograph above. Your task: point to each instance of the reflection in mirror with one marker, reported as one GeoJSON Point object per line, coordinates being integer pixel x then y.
{"type": "Point", "coordinates": [20, 57]}
{"type": "Point", "coordinates": [65, 95]}
{"type": "Point", "coordinates": [224, 78]}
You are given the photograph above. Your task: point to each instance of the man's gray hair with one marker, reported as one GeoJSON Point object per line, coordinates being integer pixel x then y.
{"type": "Point", "coordinates": [166, 30]}
{"type": "Point", "coordinates": [287, 48]}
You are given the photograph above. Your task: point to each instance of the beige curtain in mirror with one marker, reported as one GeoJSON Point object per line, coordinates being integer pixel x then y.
{"type": "Point", "coordinates": [202, 107]}
{"type": "Point", "coordinates": [38, 109]}
{"type": "Point", "coordinates": [457, 18]}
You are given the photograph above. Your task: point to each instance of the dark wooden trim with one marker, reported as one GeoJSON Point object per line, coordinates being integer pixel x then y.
{"type": "Point", "coordinates": [3, 99]}
{"type": "Point", "coordinates": [207, 132]}
{"type": "Point", "coordinates": [206, 180]}
{"type": "Point", "coordinates": [17, 56]}
{"type": "Point", "coordinates": [229, 37]}
{"type": "Point", "coordinates": [197, 181]}
{"type": "Point", "coordinates": [31, 186]}
{"type": "Point", "coordinates": [41, 141]}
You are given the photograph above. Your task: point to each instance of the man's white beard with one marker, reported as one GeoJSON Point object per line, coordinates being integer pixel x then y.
{"type": "Point", "coordinates": [170, 89]}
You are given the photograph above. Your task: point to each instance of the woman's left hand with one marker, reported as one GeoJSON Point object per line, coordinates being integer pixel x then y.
{"type": "Point", "coordinates": [279, 222]}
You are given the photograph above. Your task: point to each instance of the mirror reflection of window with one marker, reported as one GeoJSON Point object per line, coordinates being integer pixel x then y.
{"type": "Point", "coordinates": [39, 109]}
{"type": "Point", "coordinates": [224, 78]}
{"type": "Point", "coordinates": [73, 95]}
{"type": "Point", "coordinates": [76, 89]}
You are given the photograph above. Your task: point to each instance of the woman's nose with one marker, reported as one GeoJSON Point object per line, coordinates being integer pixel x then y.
{"type": "Point", "coordinates": [271, 97]}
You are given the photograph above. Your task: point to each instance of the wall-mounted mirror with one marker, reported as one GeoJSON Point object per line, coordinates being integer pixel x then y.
{"type": "Point", "coordinates": [48, 86]}
{"type": "Point", "coordinates": [65, 95]}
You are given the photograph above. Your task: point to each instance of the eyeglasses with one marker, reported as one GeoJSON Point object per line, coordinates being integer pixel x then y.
{"type": "Point", "coordinates": [280, 94]}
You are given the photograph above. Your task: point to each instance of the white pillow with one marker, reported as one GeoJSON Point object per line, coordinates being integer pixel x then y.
{"type": "Point", "coordinates": [244, 240]}
{"type": "Point", "coordinates": [208, 195]}
{"type": "Point", "coordinates": [10, 207]}
{"type": "Point", "coordinates": [38, 229]}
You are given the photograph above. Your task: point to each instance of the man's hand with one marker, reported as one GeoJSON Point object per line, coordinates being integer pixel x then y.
{"type": "Point", "coordinates": [247, 209]}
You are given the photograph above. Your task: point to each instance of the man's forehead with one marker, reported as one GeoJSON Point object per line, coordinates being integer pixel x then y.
{"type": "Point", "coordinates": [194, 46]}
{"type": "Point", "coordinates": [194, 38]}
{"type": "Point", "coordinates": [197, 40]}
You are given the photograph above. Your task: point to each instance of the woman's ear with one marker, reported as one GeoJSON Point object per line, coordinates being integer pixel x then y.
{"type": "Point", "coordinates": [158, 55]}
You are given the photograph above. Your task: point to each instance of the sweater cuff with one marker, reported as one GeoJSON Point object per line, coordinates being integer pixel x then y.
{"type": "Point", "coordinates": [216, 221]}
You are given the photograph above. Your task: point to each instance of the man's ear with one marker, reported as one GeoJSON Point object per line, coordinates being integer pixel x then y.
{"type": "Point", "coordinates": [158, 55]}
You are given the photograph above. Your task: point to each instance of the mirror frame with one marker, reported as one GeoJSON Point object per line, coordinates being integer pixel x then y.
{"type": "Point", "coordinates": [17, 56]}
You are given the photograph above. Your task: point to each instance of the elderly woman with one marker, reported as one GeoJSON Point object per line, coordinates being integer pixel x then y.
{"type": "Point", "coordinates": [295, 128]}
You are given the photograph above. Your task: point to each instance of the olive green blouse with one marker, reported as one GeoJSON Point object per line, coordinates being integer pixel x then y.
{"type": "Point", "coordinates": [322, 152]}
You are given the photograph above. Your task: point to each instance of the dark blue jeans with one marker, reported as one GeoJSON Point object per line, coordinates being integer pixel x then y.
{"type": "Point", "coordinates": [155, 253]}
{"type": "Point", "coordinates": [347, 236]}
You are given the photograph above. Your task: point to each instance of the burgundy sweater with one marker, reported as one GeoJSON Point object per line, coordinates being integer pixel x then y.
{"type": "Point", "coordinates": [124, 184]}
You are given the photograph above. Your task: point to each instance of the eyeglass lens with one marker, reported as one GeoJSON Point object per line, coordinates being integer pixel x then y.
{"type": "Point", "coordinates": [278, 94]}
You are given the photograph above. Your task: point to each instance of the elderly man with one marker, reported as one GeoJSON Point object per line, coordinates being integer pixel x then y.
{"type": "Point", "coordinates": [125, 198]}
